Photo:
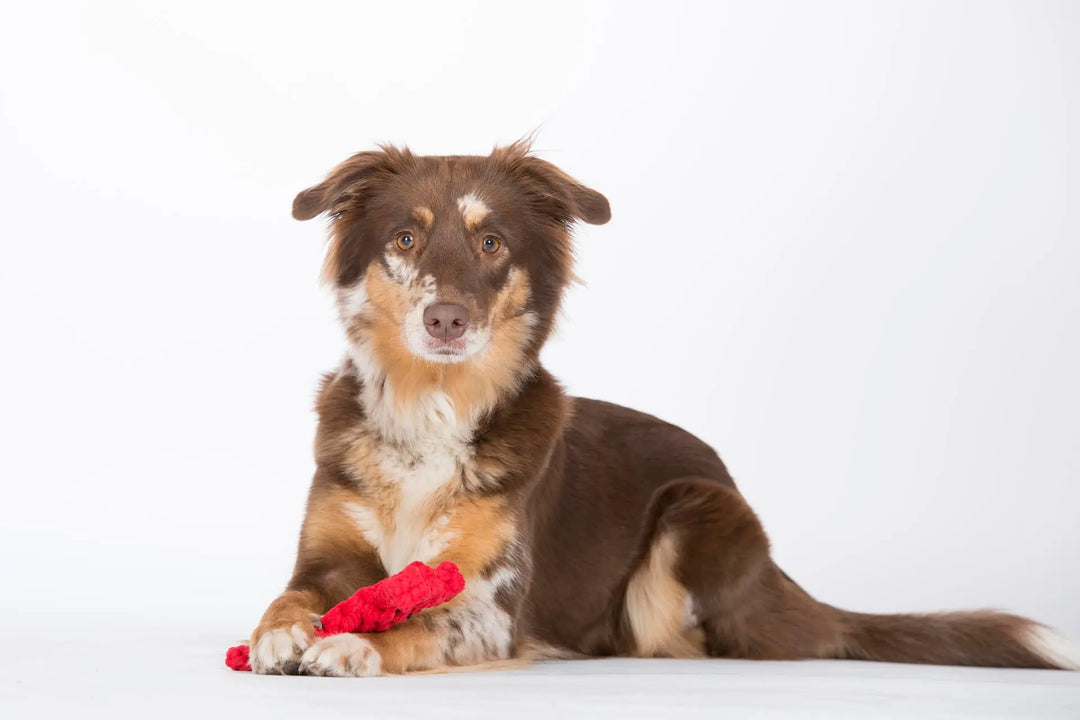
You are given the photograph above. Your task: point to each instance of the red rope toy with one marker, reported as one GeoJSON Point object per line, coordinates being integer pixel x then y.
{"type": "Point", "coordinates": [379, 607]}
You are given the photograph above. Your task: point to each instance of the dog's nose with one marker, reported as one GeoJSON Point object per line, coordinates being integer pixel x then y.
{"type": "Point", "coordinates": [446, 321]}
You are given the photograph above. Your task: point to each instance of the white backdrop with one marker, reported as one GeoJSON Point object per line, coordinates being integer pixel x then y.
{"type": "Point", "coordinates": [850, 229]}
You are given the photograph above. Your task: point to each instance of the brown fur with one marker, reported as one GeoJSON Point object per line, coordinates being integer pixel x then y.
{"type": "Point", "coordinates": [582, 528]}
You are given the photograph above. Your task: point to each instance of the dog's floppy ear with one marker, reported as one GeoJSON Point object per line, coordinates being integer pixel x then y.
{"type": "Point", "coordinates": [361, 172]}
{"type": "Point", "coordinates": [555, 192]}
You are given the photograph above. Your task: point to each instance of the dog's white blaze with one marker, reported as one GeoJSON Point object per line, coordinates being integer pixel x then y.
{"type": "Point", "coordinates": [472, 208]}
{"type": "Point", "coordinates": [1053, 648]}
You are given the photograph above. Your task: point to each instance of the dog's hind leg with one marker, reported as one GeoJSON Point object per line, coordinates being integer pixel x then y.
{"type": "Point", "coordinates": [703, 583]}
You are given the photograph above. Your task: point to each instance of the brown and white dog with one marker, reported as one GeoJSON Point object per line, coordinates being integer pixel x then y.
{"type": "Point", "coordinates": [582, 528]}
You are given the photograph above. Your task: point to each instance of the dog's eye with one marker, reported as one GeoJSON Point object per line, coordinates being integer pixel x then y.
{"type": "Point", "coordinates": [491, 244]}
{"type": "Point", "coordinates": [405, 241]}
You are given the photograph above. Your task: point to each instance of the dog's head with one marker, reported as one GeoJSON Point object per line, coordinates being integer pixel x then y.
{"type": "Point", "coordinates": [449, 265]}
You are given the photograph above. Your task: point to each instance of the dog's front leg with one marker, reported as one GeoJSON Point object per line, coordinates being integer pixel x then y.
{"type": "Point", "coordinates": [332, 561]}
{"type": "Point", "coordinates": [475, 627]}
{"type": "Point", "coordinates": [287, 629]}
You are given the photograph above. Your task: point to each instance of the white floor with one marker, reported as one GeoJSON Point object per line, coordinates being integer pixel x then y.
{"type": "Point", "coordinates": [146, 667]}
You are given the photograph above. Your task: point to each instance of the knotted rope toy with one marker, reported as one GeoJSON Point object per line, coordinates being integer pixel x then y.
{"type": "Point", "coordinates": [381, 606]}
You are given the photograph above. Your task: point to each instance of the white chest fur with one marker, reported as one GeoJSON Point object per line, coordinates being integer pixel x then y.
{"type": "Point", "coordinates": [419, 473]}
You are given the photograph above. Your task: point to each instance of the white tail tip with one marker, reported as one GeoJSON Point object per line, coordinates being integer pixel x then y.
{"type": "Point", "coordinates": [1053, 648]}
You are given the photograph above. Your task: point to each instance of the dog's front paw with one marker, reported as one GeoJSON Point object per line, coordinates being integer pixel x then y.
{"type": "Point", "coordinates": [344, 655]}
{"type": "Point", "coordinates": [277, 651]}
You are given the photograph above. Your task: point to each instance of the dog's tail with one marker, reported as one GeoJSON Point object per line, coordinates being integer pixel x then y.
{"type": "Point", "coordinates": [983, 638]}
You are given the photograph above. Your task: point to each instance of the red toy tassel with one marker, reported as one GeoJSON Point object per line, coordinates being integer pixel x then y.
{"type": "Point", "coordinates": [379, 607]}
{"type": "Point", "coordinates": [237, 658]}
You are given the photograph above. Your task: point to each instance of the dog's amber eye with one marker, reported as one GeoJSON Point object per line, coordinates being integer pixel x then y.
{"type": "Point", "coordinates": [491, 244]}
{"type": "Point", "coordinates": [405, 241]}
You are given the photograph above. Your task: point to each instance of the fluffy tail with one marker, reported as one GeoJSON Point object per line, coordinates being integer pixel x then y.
{"type": "Point", "coordinates": [983, 638]}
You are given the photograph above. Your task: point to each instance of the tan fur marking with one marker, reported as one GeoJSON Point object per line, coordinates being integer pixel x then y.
{"type": "Point", "coordinates": [472, 386]}
{"type": "Point", "coordinates": [362, 464]}
{"type": "Point", "coordinates": [656, 606]}
{"type": "Point", "coordinates": [408, 646]}
{"type": "Point", "coordinates": [482, 527]}
{"type": "Point", "coordinates": [329, 527]}
{"type": "Point", "coordinates": [424, 216]}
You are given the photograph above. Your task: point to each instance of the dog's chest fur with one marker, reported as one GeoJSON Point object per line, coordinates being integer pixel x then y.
{"type": "Point", "coordinates": [411, 480]}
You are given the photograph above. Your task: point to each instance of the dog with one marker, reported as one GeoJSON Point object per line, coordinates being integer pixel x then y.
{"type": "Point", "coordinates": [583, 528]}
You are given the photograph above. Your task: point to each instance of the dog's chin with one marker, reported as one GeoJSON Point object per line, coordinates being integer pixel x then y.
{"type": "Point", "coordinates": [445, 351]}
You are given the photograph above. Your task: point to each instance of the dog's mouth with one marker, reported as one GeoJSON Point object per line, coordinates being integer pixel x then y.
{"type": "Point", "coordinates": [447, 351]}
{"type": "Point", "coordinates": [445, 347]}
